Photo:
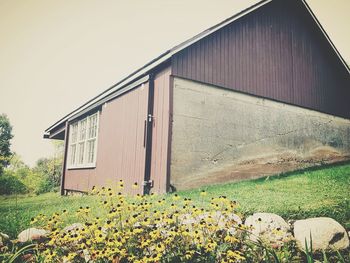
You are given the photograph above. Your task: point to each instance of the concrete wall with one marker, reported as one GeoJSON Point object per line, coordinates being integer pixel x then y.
{"type": "Point", "coordinates": [220, 135]}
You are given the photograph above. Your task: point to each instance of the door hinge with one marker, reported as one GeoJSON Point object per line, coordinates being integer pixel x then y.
{"type": "Point", "coordinates": [150, 117]}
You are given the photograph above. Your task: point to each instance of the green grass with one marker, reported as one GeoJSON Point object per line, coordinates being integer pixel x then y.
{"type": "Point", "coordinates": [309, 193]}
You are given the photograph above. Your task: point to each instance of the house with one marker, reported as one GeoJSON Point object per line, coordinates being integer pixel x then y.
{"type": "Point", "coordinates": [261, 93]}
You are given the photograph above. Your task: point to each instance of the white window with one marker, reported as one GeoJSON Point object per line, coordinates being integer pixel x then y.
{"type": "Point", "coordinates": [83, 142]}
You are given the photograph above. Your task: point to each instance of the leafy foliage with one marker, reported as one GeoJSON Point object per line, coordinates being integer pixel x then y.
{"type": "Point", "coordinates": [50, 170]}
{"type": "Point", "coordinates": [5, 137]}
{"type": "Point", "coordinates": [11, 185]}
{"type": "Point", "coordinates": [44, 177]}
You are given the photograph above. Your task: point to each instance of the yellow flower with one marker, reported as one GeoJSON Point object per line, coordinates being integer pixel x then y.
{"type": "Point", "coordinates": [50, 255]}
{"type": "Point", "coordinates": [155, 234]}
{"type": "Point", "coordinates": [277, 231]}
{"type": "Point", "coordinates": [121, 184]}
{"type": "Point", "coordinates": [210, 246]}
{"type": "Point", "coordinates": [99, 236]}
{"type": "Point", "coordinates": [33, 220]}
{"type": "Point", "coordinates": [156, 257]}
{"type": "Point", "coordinates": [94, 190]}
{"type": "Point", "coordinates": [230, 239]}
{"type": "Point", "coordinates": [176, 197]}
{"type": "Point", "coordinates": [86, 210]}
{"type": "Point", "coordinates": [234, 255]}
{"type": "Point", "coordinates": [70, 256]}
{"type": "Point", "coordinates": [145, 243]}
{"type": "Point", "coordinates": [160, 248]}
{"type": "Point", "coordinates": [189, 254]}
{"type": "Point", "coordinates": [144, 229]}
{"type": "Point", "coordinates": [187, 201]}
{"type": "Point", "coordinates": [203, 193]}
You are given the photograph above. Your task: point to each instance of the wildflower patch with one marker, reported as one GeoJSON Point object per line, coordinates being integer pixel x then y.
{"type": "Point", "coordinates": [153, 228]}
{"type": "Point", "coordinates": [147, 229]}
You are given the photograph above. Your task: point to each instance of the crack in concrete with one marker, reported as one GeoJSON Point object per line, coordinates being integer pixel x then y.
{"type": "Point", "coordinates": [213, 158]}
{"type": "Point", "coordinates": [191, 117]}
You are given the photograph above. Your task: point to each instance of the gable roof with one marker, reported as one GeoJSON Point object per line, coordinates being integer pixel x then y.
{"type": "Point", "coordinates": [141, 75]}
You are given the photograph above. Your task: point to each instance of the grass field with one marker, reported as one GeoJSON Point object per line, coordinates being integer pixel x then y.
{"type": "Point", "coordinates": [313, 192]}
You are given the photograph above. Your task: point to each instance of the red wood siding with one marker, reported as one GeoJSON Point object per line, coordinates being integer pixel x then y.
{"type": "Point", "coordinates": [276, 52]}
{"type": "Point", "coordinates": [120, 148]}
{"type": "Point", "coordinates": [160, 131]}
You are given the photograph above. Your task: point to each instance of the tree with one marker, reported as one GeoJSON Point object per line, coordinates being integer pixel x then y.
{"type": "Point", "coordinates": [50, 169]}
{"type": "Point", "coordinates": [16, 163]}
{"type": "Point", "coordinates": [12, 181]}
{"type": "Point", "coordinates": [5, 137]}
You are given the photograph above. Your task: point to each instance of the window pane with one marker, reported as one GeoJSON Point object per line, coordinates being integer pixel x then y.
{"type": "Point", "coordinates": [94, 129]}
{"type": "Point", "coordinates": [72, 154]}
{"type": "Point", "coordinates": [81, 153]}
{"type": "Point", "coordinates": [82, 133]}
{"type": "Point", "coordinates": [92, 126]}
{"type": "Point", "coordinates": [91, 151]}
{"type": "Point", "coordinates": [88, 153]}
{"type": "Point", "coordinates": [82, 141]}
{"type": "Point", "coordinates": [74, 132]}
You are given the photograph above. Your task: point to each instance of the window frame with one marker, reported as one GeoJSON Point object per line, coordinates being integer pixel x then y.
{"type": "Point", "coordinates": [79, 140]}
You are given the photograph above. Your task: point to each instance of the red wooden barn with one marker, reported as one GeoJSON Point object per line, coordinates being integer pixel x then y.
{"type": "Point", "coordinates": [261, 93]}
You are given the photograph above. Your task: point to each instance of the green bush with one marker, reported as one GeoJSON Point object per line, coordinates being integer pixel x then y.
{"type": "Point", "coordinates": [44, 186]}
{"type": "Point", "coordinates": [11, 185]}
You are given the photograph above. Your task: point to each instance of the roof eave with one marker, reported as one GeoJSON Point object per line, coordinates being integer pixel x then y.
{"type": "Point", "coordinates": [162, 58]}
{"type": "Point", "coordinates": [326, 36]}
{"type": "Point", "coordinates": [147, 68]}
{"type": "Point", "coordinates": [57, 134]}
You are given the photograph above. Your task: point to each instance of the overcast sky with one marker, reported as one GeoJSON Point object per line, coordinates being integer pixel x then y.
{"type": "Point", "coordinates": [55, 55]}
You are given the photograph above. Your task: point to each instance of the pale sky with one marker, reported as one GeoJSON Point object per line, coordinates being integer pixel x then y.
{"type": "Point", "coordinates": [56, 55]}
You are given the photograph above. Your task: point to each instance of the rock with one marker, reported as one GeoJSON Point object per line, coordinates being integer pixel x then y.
{"type": "Point", "coordinates": [3, 239]}
{"type": "Point", "coordinates": [223, 218]}
{"type": "Point", "coordinates": [224, 221]}
{"type": "Point", "coordinates": [87, 255]}
{"type": "Point", "coordinates": [270, 228]}
{"type": "Point", "coordinates": [73, 227]}
{"type": "Point", "coordinates": [31, 234]}
{"type": "Point", "coordinates": [216, 217]}
{"type": "Point", "coordinates": [326, 233]}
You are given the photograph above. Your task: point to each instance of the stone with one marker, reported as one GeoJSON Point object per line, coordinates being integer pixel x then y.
{"type": "Point", "coordinates": [73, 227]}
{"type": "Point", "coordinates": [216, 217]}
{"type": "Point", "coordinates": [269, 227]}
{"type": "Point", "coordinates": [3, 239]}
{"type": "Point", "coordinates": [223, 219]}
{"type": "Point", "coordinates": [31, 234]}
{"type": "Point", "coordinates": [87, 255]}
{"type": "Point", "coordinates": [326, 234]}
